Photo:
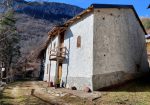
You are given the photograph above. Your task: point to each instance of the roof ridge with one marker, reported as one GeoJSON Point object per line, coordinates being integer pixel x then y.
{"type": "Point", "coordinates": [90, 8]}
{"type": "Point", "coordinates": [111, 5]}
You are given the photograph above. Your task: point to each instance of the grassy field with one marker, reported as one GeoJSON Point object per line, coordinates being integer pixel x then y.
{"type": "Point", "coordinates": [19, 93]}
{"type": "Point", "coordinates": [136, 92]}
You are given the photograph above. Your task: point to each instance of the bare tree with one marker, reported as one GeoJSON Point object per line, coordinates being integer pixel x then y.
{"type": "Point", "coordinates": [9, 38]}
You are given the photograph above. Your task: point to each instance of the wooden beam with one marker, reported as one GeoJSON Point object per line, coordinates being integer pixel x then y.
{"type": "Point", "coordinates": [88, 10]}
{"type": "Point", "coordinates": [71, 21]}
{"type": "Point", "coordinates": [78, 17]}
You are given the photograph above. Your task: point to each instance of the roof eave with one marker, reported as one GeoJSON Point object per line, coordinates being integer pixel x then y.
{"type": "Point", "coordinates": [69, 22]}
{"type": "Point", "coordinates": [63, 27]}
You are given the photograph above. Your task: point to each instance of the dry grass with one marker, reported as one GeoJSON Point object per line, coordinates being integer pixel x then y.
{"type": "Point", "coordinates": [69, 98]}
{"type": "Point", "coordinates": [133, 93]}
{"type": "Point", "coordinates": [19, 94]}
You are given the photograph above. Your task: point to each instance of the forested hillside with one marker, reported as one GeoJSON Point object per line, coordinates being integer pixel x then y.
{"type": "Point", "coordinates": [146, 23]}
{"type": "Point", "coordinates": [35, 19]}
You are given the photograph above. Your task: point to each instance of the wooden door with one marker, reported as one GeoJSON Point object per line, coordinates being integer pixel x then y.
{"type": "Point", "coordinates": [60, 71]}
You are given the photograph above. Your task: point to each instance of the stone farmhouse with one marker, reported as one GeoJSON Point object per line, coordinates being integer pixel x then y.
{"type": "Point", "coordinates": [100, 47]}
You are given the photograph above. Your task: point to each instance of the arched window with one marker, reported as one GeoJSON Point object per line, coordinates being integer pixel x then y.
{"type": "Point", "coordinates": [78, 41]}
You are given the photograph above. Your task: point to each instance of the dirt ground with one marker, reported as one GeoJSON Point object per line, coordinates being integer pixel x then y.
{"type": "Point", "coordinates": [19, 93]}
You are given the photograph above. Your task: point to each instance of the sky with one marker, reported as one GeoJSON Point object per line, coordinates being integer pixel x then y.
{"type": "Point", "coordinates": [140, 5]}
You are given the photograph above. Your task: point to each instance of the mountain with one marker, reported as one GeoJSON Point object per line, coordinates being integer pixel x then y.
{"type": "Point", "coordinates": [35, 20]}
{"type": "Point", "coordinates": [146, 23]}
{"type": "Point", "coordinates": [47, 10]}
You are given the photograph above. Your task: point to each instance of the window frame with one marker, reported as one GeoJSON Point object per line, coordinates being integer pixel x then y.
{"type": "Point", "coordinates": [78, 43]}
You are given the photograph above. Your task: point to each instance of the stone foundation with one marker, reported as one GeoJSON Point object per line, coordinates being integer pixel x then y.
{"type": "Point", "coordinates": [79, 82]}
{"type": "Point", "coordinates": [110, 79]}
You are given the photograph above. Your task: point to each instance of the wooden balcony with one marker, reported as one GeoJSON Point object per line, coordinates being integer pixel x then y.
{"type": "Point", "coordinates": [59, 53]}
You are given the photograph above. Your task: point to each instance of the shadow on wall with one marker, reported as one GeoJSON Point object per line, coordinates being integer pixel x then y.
{"type": "Point", "coordinates": [42, 62]}
{"type": "Point", "coordinates": [68, 36]}
{"type": "Point", "coordinates": [141, 84]}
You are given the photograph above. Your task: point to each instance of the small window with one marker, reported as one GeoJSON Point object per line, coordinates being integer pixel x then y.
{"type": "Point", "coordinates": [78, 41]}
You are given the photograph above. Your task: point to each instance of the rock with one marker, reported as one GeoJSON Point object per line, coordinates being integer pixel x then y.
{"type": "Point", "coordinates": [87, 89]}
{"type": "Point", "coordinates": [2, 84]}
{"type": "Point", "coordinates": [73, 96]}
{"type": "Point", "coordinates": [63, 94]}
{"type": "Point", "coordinates": [49, 92]}
{"type": "Point", "coordinates": [73, 88]}
{"type": "Point", "coordinates": [57, 95]}
{"type": "Point", "coordinates": [1, 89]}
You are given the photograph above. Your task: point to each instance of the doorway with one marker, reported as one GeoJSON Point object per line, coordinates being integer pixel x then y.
{"type": "Point", "coordinates": [59, 72]}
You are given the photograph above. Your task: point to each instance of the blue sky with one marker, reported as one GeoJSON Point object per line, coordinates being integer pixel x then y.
{"type": "Point", "coordinates": [140, 5]}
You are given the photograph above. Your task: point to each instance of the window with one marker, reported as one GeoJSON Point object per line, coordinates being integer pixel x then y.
{"type": "Point", "coordinates": [78, 41]}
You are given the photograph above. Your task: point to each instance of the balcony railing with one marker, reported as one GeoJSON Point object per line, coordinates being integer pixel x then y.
{"type": "Point", "coordinates": [58, 53]}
